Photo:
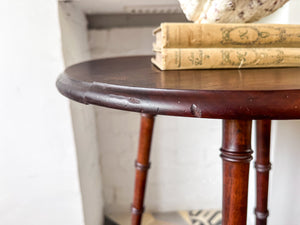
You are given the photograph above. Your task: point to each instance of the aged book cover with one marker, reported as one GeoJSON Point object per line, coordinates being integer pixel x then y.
{"type": "Point", "coordinates": [207, 58]}
{"type": "Point", "coordinates": [190, 35]}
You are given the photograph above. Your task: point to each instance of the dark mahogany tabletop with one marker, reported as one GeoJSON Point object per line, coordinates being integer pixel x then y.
{"type": "Point", "coordinates": [134, 84]}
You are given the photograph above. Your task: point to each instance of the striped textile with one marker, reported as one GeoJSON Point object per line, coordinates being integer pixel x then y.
{"type": "Point", "coordinates": [194, 217]}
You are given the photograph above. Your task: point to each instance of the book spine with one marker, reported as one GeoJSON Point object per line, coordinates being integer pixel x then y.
{"type": "Point", "coordinates": [229, 35]}
{"type": "Point", "coordinates": [206, 58]}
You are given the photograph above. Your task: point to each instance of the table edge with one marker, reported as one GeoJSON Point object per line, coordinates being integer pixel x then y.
{"type": "Point", "coordinates": [238, 104]}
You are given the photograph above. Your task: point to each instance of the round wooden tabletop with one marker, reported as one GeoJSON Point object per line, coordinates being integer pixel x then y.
{"type": "Point", "coordinates": [134, 84]}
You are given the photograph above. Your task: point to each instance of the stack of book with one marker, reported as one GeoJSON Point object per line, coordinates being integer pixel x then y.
{"type": "Point", "coordinates": [204, 46]}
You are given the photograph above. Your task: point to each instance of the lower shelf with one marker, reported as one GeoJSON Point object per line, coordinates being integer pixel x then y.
{"type": "Point", "coordinates": [194, 217]}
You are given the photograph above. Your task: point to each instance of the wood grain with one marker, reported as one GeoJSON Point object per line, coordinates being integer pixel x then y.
{"type": "Point", "coordinates": [236, 154]}
{"type": "Point", "coordinates": [263, 166]}
{"type": "Point", "coordinates": [133, 84]}
{"type": "Point", "coordinates": [142, 165]}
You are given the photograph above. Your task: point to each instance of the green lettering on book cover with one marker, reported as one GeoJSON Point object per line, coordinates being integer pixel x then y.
{"type": "Point", "coordinates": [245, 35]}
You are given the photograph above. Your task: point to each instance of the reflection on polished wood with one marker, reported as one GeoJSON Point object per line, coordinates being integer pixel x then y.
{"type": "Point", "coordinates": [134, 84]}
{"type": "Point", "coordinates": [138, 72]}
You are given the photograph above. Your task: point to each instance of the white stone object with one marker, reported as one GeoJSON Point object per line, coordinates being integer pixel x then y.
{"type": "Point", "coordinates": [229, 11]}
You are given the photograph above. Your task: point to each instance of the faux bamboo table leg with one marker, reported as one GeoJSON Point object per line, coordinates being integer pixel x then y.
{"type": "Point", "coordinates": [236, 154]}
{"type": "Point", "coordinates": [142, 165]}
{"type": "Point", "coordinates": [263, 166]}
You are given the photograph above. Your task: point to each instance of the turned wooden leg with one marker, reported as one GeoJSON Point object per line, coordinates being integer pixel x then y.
{"type": "Point", "coordinates": [236, 154]}
{"type": "Point", "coordinates": [263, 166]}
{"type": "Point", "coordinates": [142, 165]}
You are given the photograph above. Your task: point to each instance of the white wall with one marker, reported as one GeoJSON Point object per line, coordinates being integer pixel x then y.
{"type": "Point", "coordinates": [118, 6]}
{"type": "Point", "coordinates": [76, 49]}
{"type": "Point", "coordinates": [38, 169]}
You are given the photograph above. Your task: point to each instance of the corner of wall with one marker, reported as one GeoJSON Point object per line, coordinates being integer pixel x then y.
{"type": "Point", "coordinates": [75, 48]}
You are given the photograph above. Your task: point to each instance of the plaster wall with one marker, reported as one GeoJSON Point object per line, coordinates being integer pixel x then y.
{"type": "Point", "coordinates": [76, 49]}
{"type": "Point", "coordinates": [38, 169]}
{"type": "Point", "coordinates": [119, 6]}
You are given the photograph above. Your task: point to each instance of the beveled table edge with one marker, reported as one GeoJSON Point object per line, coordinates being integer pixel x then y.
{"type": "Point", "coordinates": [217, 104]}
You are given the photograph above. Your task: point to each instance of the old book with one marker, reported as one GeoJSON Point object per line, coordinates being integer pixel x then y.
{"type": "Point", "coordinates": [207, 58]}
{"type": "Point", "coordinates": [190, 35]}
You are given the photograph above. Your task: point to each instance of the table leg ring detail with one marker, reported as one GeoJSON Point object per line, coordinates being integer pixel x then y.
{"type": "Point", "coordinates": [261, 215]}
{"type": "Point", "coordinates": [142, 167]}
{"type": "Point", "coordinates": [263, 168]}
{"type": "Point", "coordinates": [136, 211]}
{"type": "Point", "coordinates": [241, 157]}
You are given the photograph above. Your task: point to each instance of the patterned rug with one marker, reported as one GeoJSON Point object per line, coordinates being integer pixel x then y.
{"type": "Point", "coordinates": [195, 217]}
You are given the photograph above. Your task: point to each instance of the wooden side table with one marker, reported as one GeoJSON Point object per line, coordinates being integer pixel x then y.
{"type": "Point", "coordinates": [236, 96]}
